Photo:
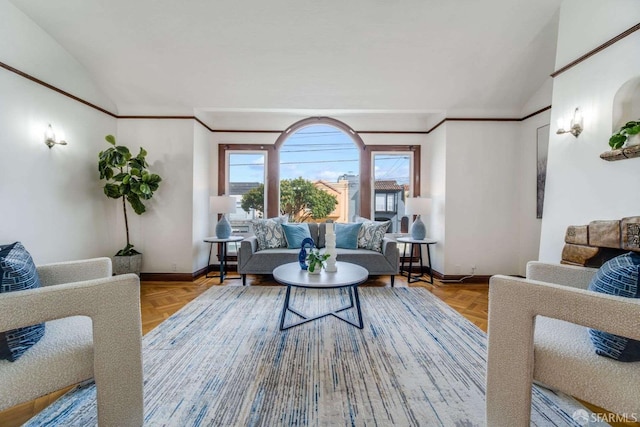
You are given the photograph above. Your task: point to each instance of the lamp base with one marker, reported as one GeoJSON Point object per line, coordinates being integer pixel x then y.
{"type": "Point", "coordinates": [223, 228]}
{"type": "Point", "coordinates": [418, 229]}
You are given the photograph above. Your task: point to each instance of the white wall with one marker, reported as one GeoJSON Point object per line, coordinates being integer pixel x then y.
{"type": "Point", "coordinates": [434, 168]}
{"type": "Point", "coordinates": [529, 226]}
{"type": "Point", "coordinates": [52, 198]}
{"type": "Point", "coordinates": [202, 142]}
{"type": "Point", "coordinates": [482, 197]}
{"type": "Point", "coordinates": [164, 233]}
{"type": "Point", "coordinates": [580, 186]}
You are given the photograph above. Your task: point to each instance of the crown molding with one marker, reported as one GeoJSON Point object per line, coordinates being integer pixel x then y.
{"type": "Point", "coordinates": [210, 129]}
{"type": "Point", "coordinates": [602, 47]}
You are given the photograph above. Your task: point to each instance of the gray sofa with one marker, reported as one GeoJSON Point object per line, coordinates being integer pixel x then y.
{"type": "Point", "coordinates": [252, 261]}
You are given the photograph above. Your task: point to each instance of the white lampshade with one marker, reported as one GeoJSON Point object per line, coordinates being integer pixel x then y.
{"type": "Point", "coordinates": [222, 204]}
{"type": "Point", "coordinates": [417, 205]}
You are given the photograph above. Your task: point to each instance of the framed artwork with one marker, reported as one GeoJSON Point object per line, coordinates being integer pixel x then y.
{"type": "Point", "coordinates": [543, 149]}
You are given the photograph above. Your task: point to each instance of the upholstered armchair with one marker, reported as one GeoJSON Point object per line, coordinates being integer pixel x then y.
{"type": "Point", "coordinates": [538, 332]}
{"type": "Point", "coordinates": [93, 330]}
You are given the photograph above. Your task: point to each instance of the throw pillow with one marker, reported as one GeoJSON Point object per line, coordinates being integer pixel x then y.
{"type": "Point", "coordinates": [371, 235]}
{"type": "Point", "coordinates": [618, 276]}
{"type": "Point", "coordinates": [269, 233]}
{"type": "Point", "coordinates": [295, 234]}
{"type": "Point", "coordinates": [347, 235]}
{"type": "Point", "coordinates": [17, 273]}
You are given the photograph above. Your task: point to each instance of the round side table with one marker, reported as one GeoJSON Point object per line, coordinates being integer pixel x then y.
{"type": "Point", "coordinates": [410, 241]}
{"type": "Point", "coordinates": [222, 251]}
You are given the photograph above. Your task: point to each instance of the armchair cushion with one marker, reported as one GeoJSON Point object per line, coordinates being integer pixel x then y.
{"type": "Point", "coordinates": [618, 276]}
{"type": "Point", "coordinates": [17, 273]}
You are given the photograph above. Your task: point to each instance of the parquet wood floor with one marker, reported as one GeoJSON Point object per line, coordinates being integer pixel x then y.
{"type": "Point", "coordinates": [159, 300]}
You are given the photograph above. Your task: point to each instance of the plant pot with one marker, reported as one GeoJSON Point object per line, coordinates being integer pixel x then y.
{"type": "Point", "coordinates": [315, 272]}
{"type": "Point", "coordinates": [633, 140]}
{"type": "Point", "coordinates": [123, 264]}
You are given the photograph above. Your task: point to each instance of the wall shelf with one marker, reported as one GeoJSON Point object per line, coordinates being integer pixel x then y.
{"type": "Point", "coordinates": [621, 154]}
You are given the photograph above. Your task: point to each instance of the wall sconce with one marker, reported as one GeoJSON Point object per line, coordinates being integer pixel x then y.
{"type": "Point", "coordinates": [575, 126]}
{"type": "Point", "coordinates": [50, 138]}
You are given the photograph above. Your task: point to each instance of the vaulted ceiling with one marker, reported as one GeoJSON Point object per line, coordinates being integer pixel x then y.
{"type": "Point", "coordinates": [453, 57]}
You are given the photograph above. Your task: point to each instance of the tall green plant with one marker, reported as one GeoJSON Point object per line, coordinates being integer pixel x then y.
{"type": "Point", "coordinates": [127, 179]}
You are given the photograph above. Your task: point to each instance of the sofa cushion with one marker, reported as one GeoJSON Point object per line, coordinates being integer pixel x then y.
{"type": "Point", "coordinates": [17, 273]}
{"type": "Point", "coordinates": [371, 235]}
{"type": "Point", "coordinates": [618, 276]}
{"type": "Point", "coordinates": [347, 235]}
{"type": "Point", "coordinates": [295, 234]}
{"type": "Point", "coordinates": [269, 233]}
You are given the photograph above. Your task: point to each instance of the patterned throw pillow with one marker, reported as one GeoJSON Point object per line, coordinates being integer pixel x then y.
{"type": "Point", "coordinates": [371, 235]}
{"type": "Point", "coordinates": [618, 276]}
{"type": "Point", "coordinates": [17, 273]}
{"type": "Point", "coordinates": [269, 233]}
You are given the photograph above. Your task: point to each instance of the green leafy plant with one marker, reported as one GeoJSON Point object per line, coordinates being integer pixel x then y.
{"type": "Point", "coordinates": [316, 259]}
{"type": "Point", "coordinates": [127, 179]}
{"type": "Point", "coordinates": [299, 198]}
{"type": "Point", "coordinates": [618, 139]}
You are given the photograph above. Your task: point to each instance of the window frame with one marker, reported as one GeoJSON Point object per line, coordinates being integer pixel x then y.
{"type": "Point", "coordinates": [272, 166]}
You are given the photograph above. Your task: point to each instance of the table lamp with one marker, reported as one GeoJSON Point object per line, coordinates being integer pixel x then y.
{"type": "Point", "coordinates": [223, 205]}
{"type": "Point", "coordinates": [418, 206]}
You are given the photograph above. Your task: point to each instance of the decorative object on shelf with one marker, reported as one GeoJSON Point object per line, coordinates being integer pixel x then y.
{"type": "Point", "coordinates": [330, 245]}
{"type": "Point", "coordinates": [222, 205]}
{"type": "Point", "coordinates": [316, 261]}
{"type": "Point", "coordinates": [621, 153]}
{"type": "Point", "coordinates": [629, 133]}
{"type": "Point", "coordinates": [576, 126]}
{"type": "Point", "coordinates": [302, 255]}
{"type": "Point", "coordinates": [50, 138]}
{"type": "Point", "coordinates": [127, 179]}
{"type": "Point", "coordinates": [418, 206]}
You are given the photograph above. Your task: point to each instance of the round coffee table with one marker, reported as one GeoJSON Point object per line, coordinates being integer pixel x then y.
{"type": "Point", "coordinates": [348, 276]}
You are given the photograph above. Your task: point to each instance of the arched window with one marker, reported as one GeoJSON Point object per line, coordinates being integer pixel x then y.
{"type": "Point", "coordinates": [318, 154]}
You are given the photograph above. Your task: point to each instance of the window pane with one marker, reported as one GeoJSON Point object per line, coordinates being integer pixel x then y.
{"type": "Point", "coordinates": [391, 183]}
{"type": "Point", "coordinates": [328, 159]}
{"type": "Point", "coordinates": [246, 175]}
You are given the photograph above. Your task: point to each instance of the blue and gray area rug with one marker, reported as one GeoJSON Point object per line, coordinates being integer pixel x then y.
{"type": "Point", "coordinates": [222, 361]}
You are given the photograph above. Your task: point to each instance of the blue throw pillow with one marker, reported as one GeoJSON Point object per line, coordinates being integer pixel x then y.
{"type": "Point", "coordinates": [347, 235]}
{"type": "Point", "coordinates": [17, 273]}
{"type": "Point", "coordinates": [618, 276]}
{"type": "Point", "coordinates": [295, 234]}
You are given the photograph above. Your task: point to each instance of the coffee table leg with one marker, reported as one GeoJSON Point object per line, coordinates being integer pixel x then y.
{"type": "Point", "coordinates": [357, 298]}
{"type": "Point", "coordinates": [285, 308]}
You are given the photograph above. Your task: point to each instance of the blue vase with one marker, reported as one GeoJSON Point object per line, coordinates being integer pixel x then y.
{"type": "Point", "coordinates": [418, 230]}
{"type": "Point", "coordinates": [302, 255]}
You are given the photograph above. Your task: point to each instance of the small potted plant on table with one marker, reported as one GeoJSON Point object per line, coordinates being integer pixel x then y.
{"type": "Point", "coordinates": [316, 261]}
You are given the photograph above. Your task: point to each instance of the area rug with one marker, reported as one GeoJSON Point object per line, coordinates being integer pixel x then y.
{"type": "Point", "coordinates": [222, 361]}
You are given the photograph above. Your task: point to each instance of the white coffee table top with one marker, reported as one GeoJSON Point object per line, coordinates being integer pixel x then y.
{"type": "Point", "coordinates": [347, 275]}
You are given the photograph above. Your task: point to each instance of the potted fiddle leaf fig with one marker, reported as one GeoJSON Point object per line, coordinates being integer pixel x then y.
{"type": "Point", "coordinates": [628, 132]}
{"type": "Point", "coordinates": [128, 180]}
{"type": "Point", "coordinates": [316, 261]}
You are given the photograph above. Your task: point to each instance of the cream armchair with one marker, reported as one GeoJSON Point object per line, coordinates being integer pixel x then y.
{"type": "Point", "coordinates": [555, 350]}
{"type": "Point", "coordinates": [93, 330]}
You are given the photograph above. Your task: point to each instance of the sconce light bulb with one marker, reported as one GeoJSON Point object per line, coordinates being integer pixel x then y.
{"type": "Point", "coordinates": [50, 138]}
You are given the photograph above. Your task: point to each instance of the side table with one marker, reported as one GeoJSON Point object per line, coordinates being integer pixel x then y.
{"type": "Point", "coordinates": [222, 251]}
{"type": "Point", "coordinates": [416, 278]}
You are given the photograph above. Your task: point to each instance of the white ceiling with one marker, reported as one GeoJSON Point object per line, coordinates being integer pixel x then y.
{"type": "Point", "coordinates": [453, 57]}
